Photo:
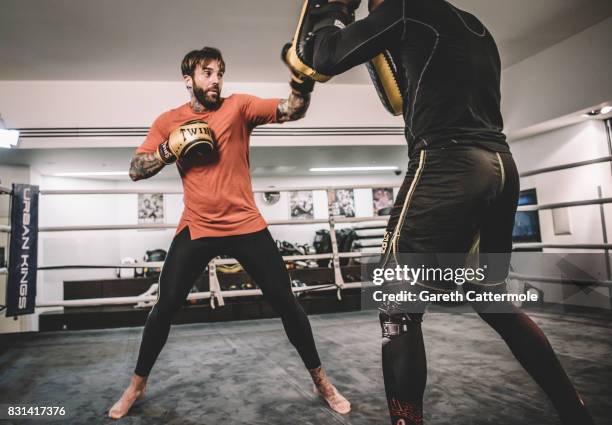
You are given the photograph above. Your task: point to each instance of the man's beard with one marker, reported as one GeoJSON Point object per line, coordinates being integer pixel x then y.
{"type": "Point", "coordinates": [206, 99]}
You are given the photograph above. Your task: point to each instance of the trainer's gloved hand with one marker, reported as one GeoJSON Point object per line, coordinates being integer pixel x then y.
{"type": "Point", "coordinates": [193, 138]}
{"type": "Point", "coordinates": [299, 83]}
{"type": "Point", "coordinates": [314, 16]}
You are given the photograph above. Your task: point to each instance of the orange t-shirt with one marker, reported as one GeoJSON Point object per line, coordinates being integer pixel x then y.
{"type": "Point", "coordinates": [218, 197]}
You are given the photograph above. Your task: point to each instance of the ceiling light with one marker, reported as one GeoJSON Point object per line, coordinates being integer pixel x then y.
{"type": "Point", "coordinates": [595, 112]}
{"type": "Point", "coordinates": [343, 169]}
{"type": "Point", "coordinates": [91, 174]}
{"type": "Point", "coordinates": [8, 137]}
{"type": "Point", "coordinates": [606, 110]}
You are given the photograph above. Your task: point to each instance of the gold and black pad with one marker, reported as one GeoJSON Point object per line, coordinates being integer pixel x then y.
{"type": "Point", "coordinates": [315, 14]}
{"type": "Point", "coordinates": [384, 75]}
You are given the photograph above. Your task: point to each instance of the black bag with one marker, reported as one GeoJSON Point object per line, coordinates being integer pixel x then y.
{"type": "Point", "coordinates": [153, 256]}
{"type": "Point", "coordinates": [345, 238]}
{"type": "Point", "coordinates": [322, 245]}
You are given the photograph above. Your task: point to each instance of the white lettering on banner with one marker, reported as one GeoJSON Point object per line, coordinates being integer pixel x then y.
{"type": "Point", "coordinates": [25, 258]}
{"type": "Point", "coordinates": [26, 200]}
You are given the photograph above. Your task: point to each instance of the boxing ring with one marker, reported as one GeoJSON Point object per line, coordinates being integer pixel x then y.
{"type": "Point", "coordinates": [217, 296]}
{"type": "Point", "coordinates": [246, 371]}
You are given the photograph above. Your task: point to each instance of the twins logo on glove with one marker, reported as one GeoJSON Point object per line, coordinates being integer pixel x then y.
{"type": "Point", "coordinates": [192, 138]}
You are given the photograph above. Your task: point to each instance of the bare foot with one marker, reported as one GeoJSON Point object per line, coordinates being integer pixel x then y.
{"type": "Point", "coordinates": [325, 389]}
{"type": "Point", "coordinates": [135, 391]}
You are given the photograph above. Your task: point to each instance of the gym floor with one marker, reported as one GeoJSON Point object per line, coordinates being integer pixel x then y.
{"type": "Point", "coordinates": [246, 372]}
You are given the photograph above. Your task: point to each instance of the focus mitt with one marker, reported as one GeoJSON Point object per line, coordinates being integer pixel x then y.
{"type": "Point", "coordinates": [314, 15]}
{"type": "Point", "coordinates": [299, 82]}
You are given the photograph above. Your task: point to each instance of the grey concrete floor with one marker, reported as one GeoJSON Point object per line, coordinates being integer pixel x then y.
{"type": "Point", "coordinates": [248, 373]}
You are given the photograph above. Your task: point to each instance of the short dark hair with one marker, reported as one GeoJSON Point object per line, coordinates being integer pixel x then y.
{"type": "Point", "coordinates": [201, 57]}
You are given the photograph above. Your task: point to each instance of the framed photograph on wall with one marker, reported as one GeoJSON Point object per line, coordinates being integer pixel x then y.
{"type": "Point", "coordinates": [302, 204]}
{"type": "Point", "coordinates": [150, 208]}
{"type": "Point", "coordinates": [342, 202]}
{"type": "Point", "coordinates": [382, 200]}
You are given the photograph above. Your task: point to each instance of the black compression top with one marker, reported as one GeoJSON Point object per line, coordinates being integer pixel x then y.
{"type": "Point", "coordinates": [448, 63]}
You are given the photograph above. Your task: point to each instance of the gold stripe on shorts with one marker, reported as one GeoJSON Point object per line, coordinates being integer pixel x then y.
{"type": "Point", "coordinates": [402, 218]}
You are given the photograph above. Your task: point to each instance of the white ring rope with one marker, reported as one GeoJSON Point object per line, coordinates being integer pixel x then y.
{"type": "Point", "coordinates": [216, 293]}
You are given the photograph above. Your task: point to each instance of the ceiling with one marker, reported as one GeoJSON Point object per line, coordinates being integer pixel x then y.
{"type": "Point", "coordinates": [130, 40]}
{"type": "Point", "coordinates": [146, 39]}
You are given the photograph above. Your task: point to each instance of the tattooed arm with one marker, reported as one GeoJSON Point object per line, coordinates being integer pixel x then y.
{"type": "Point", "coordinates": [293, 108]}
{"type": "Point", "coordinates": [145, 165]}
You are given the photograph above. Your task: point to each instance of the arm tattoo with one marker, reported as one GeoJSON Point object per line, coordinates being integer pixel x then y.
{"type": "Point", "coordinates": [293, 108]}
{"type": "Point", "coordinates": [144, 165]}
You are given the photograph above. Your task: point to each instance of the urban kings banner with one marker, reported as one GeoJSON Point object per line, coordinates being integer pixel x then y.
{"type": "Point", "coordinates": [21, 284]}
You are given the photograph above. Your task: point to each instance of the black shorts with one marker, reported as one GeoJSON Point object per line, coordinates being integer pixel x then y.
{"type": "Point", "coordinates": [454, 201]}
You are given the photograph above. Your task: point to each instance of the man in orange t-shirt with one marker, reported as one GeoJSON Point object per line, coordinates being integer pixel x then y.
{"type": "Point", "coordinates": [220, 216]}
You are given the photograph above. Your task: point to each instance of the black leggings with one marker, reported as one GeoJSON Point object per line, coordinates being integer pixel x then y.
{"type": "Point", "coordinates": [186, 260]}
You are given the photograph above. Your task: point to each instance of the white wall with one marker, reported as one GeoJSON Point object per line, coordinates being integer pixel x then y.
{"type": "Point", "coordinates": [575, 143]}
{"type": "Point", "coordinates": [65, 210]}
{"type": "Point", "coordinates": [305, 233]}
{"type": "Point", "coordinates": [73, 104]}
{"type": "Point", "coordinates": [108, 247]}
{"type": "Point", "coordinates": [570, 144]}
{"type": "Point", "coordinates": [10, 174]}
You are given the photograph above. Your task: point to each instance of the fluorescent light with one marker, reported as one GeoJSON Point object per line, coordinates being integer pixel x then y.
{"type": "Point", "coordinates": [8, 138]}
{"type": "Point", "coordinates": [341, 169]}
{"type": "Point", "coordinates": [92, 174]}
{"type": "Point", "coordinates": [595, 112]}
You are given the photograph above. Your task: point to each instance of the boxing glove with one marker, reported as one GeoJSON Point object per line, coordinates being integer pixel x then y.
{"type": "Point", "coordinates": [192, 138]}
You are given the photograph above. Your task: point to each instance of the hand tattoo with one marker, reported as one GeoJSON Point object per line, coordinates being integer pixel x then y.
{"type": "Point", "coordinates": [293, 108]}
